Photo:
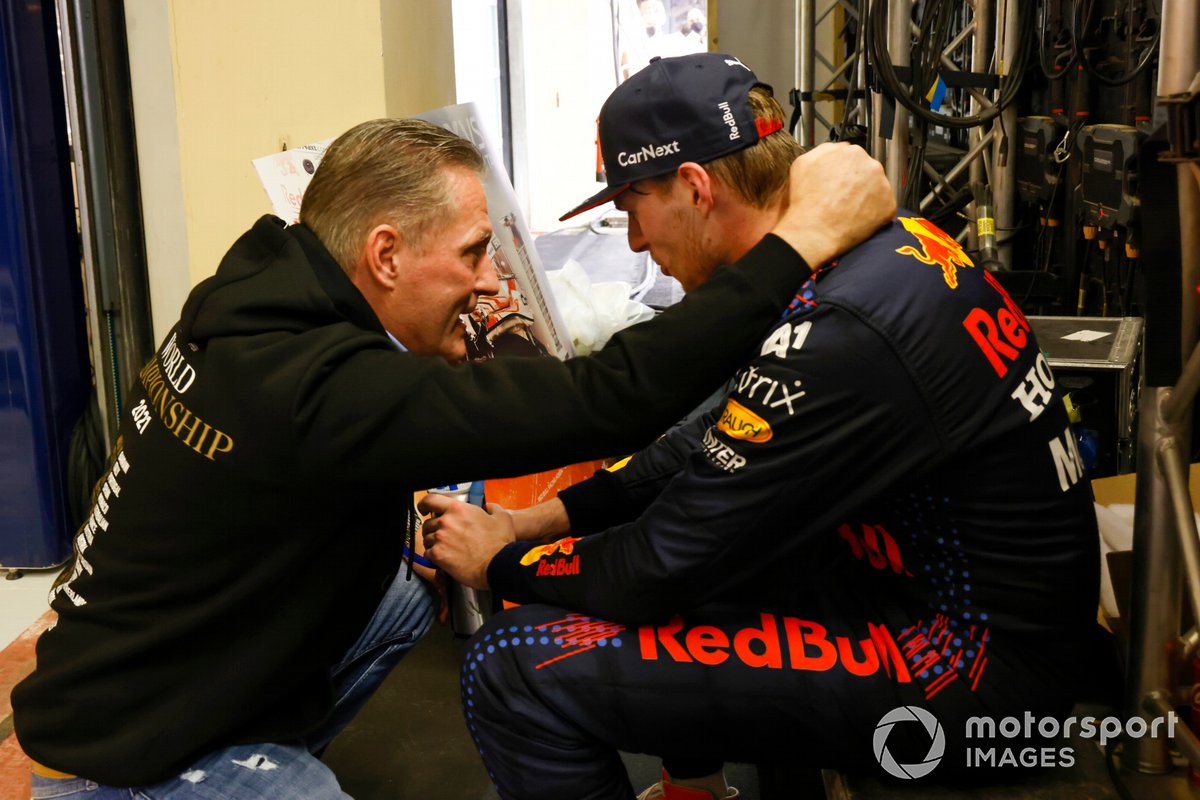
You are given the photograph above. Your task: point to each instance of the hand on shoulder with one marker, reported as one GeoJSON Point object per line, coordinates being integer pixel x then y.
{"type": "Point", "coordinates": [838, 197]}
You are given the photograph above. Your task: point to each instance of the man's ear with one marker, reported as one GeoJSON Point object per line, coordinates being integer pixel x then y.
{"type": "Point", "coordinates": [698, 182]}
{"type": "Point", "coordinates": [381, 255]}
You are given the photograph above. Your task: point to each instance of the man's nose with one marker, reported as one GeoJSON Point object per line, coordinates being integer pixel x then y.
{"type": "Point", "coordinates": [637, 242]}
{"type": "Point", "coordinates": [487, 282]}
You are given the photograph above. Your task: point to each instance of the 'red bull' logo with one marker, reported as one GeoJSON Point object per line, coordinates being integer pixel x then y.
{"type": "Point", "coordinates": [936, 248]}
{"type": "Point", "coordinates": [742, 423]}
{"type": "Point", "coordinates": [801, 645]}
{"type": "Point", "coordinates": [560, 566]}
{"type": "Point", "coordinates": [1001, 334]}
{"type": "Point", "coordinates": [564, 545]}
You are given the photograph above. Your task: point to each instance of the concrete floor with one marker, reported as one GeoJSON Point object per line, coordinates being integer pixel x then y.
{"type": "Point", "coordinates": [410, 740]}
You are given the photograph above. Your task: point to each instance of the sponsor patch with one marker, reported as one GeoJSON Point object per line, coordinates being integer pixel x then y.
{"type": "Point", "coordinates": [936, 248]}
{"type": "Point", "coordinates": [742, 423]}
{"type": "Point", "coordinates": [720, 454]}
{"type": "Point", "coordinates": [564, 545]}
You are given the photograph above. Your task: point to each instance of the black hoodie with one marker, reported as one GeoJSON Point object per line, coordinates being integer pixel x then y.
{"type": "Point", "coordinates": [252, 511]}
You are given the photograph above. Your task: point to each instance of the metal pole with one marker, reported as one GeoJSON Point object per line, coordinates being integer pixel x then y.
{"type": "Point", "coordinates": [1178, 65]}
{"type": "Point", "coordinates": [1157, 585]}
{"type": "Point", "coordinates": [899, 44]}
{"type": "Point", "coordinates": [1158, 705]}
{"type": "Point", "coordinates": [981, 52]}
{"type": "Point", "coordinates": [862, 105]}
{"type": "Point", "coordinates": [957, 169]}
{"type": "Point", "coordinates": [806, 41]}
{"type": "Point", "coordinates": [1175, 407]}
{"type": "Point", "coordinates": [1174, 469]}
{"type": "Point", "coordinates": [1004, 156]}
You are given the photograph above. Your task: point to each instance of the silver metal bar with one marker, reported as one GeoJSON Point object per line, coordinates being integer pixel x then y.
{"type": "Point", "coordinates": [899, 36]}
{"type": "Point", "coordinates": [1189, 643]}
{"type": "Point", "coordinates": [1157, 586]}
{"type": "Point", "coordinates": [962, 164]}
{"type": "Point", "coordinates": [976, 95]}
{"type": "Point", "coordinates": [981, 47]}
{"type": "Point", "coordinates": [936, 177]}
{"type": "Point", "coordinates": [1179, 46]}
{"type": "Point", "coordinates": [947, 62]}
{"type": "Point", "coordinates": [958, 39]}
{"type": "Point", "coordinates": [806, 45]}
{"type": "Point", "coordinates": [1179, 401]}
{"type": "Point", "coordinates": [1004, 165]}
{"type": "Point", "coordinates": [862, 106]}
{"type": "Point", "coordinates": [849, 8]}
{"type": "Point", "coordinates": [1174, 469]}
{"type": "Point", "coordinates": [1160, 705]}
{"type": "Point", "coordinates": [837, 74]}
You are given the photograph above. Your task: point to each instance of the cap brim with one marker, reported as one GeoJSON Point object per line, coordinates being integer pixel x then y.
{"type": "Point", "coordinates": [598, 199]}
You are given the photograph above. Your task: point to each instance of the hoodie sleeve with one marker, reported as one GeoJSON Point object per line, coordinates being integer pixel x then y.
{"type": "Point", "coordinates": [387, 418]}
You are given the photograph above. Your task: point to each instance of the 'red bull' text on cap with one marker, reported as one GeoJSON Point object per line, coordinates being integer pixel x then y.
{"type": "Point", "coordinates": [675, 110]}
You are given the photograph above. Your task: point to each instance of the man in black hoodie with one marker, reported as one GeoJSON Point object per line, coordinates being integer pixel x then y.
{"type": "Point", "coordinates": [239, 587]}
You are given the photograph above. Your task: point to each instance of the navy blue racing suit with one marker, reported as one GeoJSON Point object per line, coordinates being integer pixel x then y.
{"type": "Point", "coordinates": [887, 510]}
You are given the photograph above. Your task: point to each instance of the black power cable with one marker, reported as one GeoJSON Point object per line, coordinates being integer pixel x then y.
{"type": "Point", "coordinates": [926, 61]}
{"type": "Point", "coordinates": [1060, 71]}
{"type": "Point", "coordinates": [1080, 23]}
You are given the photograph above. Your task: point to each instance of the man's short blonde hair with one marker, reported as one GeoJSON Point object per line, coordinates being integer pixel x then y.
{"type": "Point", "coordinates": [759, 174]}
{"type": "Point", "coordinates": [384, 171]}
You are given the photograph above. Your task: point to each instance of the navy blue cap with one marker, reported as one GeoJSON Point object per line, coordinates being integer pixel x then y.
{"type": "Point", "coordinates": [674, 110]}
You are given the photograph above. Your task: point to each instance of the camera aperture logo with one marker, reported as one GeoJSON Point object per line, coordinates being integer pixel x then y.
{"type": "Point", "coordinates": [937, 742]}
{"type": "Point", "coordinates": [1010, 742]}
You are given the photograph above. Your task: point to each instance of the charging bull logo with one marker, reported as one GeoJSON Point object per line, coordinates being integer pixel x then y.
{"type": "Point", "coordinates": [565, 546]}
{"type": "Point", "coordinates": [936, 248]}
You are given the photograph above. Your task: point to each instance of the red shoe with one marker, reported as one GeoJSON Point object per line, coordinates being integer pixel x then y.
{"type": "Point", "coordinates": [665, 790]}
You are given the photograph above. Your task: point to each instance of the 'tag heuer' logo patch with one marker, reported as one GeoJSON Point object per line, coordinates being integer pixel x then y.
{"type": "Point", "coordinates": [742, 423]}
{"type": "Point", "coordinates": [936, 248]}
{"type": "Point", "coordinates": [564, 545]}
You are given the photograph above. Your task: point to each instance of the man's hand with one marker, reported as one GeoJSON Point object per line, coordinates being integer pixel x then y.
{"type": "Point", "coordinates": [838, 197]}
{"type": "Point", "coordinates": [462, 538]}
{"type": "Point", "coordinates": [433, 578]}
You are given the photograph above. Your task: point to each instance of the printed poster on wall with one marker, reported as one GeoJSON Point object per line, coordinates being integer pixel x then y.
{"type": "Point", "coordinates": [285, 176]}
{"type": "Point", "coordinates": [522, 319]}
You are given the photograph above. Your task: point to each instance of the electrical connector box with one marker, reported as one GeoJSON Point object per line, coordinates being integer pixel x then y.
{"type": "Point", "coordinates": [1037, 172]}
{"type": "Point", "coordinates": [1110, 174]}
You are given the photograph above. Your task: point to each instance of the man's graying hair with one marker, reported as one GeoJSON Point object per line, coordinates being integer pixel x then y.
{"type": "Point", "coordinates": [384, 171]}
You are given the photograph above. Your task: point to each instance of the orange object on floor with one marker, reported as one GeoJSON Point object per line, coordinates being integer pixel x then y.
{"type": "Point", "coordinates": [16, 661]}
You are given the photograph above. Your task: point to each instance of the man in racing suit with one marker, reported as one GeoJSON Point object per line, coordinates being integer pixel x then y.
{"type": "Point", "coordinates": [887, 511]}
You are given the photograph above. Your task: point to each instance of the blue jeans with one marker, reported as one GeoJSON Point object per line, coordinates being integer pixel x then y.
{"type": "Point", "coordinates": [287, 771]}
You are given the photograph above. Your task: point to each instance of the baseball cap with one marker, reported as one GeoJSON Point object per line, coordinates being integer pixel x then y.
{"type": "Point", "coordinates": [674, 110]}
